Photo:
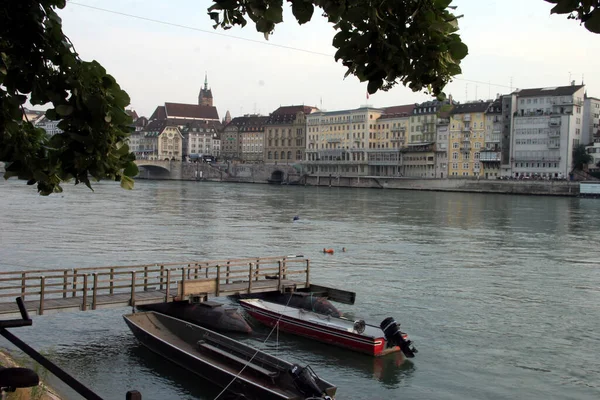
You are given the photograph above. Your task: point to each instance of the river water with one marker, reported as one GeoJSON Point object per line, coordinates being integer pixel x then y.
{"type": "Point", "coordinates": [501, 294]}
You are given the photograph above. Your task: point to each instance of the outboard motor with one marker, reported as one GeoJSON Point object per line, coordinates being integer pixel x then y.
{"type": "Point", "coordinates": [305, 381]}
{"type": "Point", "coordinates": [395, 337]}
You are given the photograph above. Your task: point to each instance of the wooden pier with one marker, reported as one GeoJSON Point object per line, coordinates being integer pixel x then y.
{"type": "Point", "coordinates": [48, 291]}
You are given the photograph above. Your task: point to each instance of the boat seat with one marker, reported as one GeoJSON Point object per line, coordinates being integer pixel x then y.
{"type": "Point", "coordinates": [270, 374]}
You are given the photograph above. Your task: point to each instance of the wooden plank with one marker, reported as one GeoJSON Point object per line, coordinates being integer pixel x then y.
{"type": "Point", "coordinates": [196, 286]}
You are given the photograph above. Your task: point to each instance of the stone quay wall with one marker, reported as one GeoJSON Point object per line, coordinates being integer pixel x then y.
{"type": "Point", "coordinates": [270, 173]}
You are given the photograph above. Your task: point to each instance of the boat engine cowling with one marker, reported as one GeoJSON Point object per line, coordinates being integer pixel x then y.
{"type": "Point", "coordinates": [305, 381]}
{"type": "Point", "coordinates": [395, 337]}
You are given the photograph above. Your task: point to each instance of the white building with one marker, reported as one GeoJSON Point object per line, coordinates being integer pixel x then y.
{"type": "Point", "coordinates": [591, 120]}
{"type": "Point", "coordinates": [201, 138]}
{"type": "Point", "coordinates": [51, 127]}
{"type": "Point", "coordinates": [546, 126]}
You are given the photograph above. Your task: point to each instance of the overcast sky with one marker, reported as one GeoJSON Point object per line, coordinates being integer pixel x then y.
{"type": "Point", "coordinates": [508, 40]}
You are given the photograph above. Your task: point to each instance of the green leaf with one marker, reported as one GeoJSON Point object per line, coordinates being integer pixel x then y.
{"type": "Point", "coordinates": [458, 50]}
{"type": "Point", "coordinates": [274, 13]}
{"type": "Point", "coordinates": [565, 7]}
{"type": "Point", "coordinates": [131, 170]}
{"type": "Point", "coordinates": [593, 23]}
{"type": "Point", "coordinates": [303, 11]}
{"type": "Point", "coordinates": [63, 110]}
{"type": "Point", "coordinates": [127, 182]}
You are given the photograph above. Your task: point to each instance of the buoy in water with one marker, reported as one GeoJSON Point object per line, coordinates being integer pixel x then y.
{"type": "Point", "coordinates": [296, 218]}
{"type": "Point", "coordinates": [328, 251]}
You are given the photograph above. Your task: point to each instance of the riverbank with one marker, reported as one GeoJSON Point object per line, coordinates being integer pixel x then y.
{"type": "Point", "coordinates": [293, 175]}
{"type": "Point", "coordinates": [42, 392]}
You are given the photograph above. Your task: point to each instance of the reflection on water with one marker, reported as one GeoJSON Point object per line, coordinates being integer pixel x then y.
{"type": "Point", "coordinates": [499, 293]}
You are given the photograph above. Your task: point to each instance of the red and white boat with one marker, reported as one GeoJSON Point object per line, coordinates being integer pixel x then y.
{"type": "Point", "coordinates": [354, 335]}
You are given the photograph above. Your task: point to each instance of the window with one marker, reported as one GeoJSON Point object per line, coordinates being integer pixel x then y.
{"type": "Point", "coordinates": [455, 145]}
{"type": "Point", "coordinates": [466, 165]}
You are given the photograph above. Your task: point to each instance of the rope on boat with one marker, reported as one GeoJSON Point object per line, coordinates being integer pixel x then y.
{"type": "Point", "coordinates": [276, 327]}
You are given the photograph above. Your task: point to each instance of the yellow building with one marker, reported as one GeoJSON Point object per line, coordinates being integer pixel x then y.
{"type": "Point", "coordinates": [467, 139]}
{"type": "Point", "coordinates": [338, 141]}
{"type": "Point", "coordinates": [388, 140]}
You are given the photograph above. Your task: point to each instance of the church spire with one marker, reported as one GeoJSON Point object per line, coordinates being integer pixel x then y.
{"type": "Point", "coordinates": [205, 80]}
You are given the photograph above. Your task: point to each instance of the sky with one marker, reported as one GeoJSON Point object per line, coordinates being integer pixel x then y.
{"type": "Point", "coordinates": [512, 44]}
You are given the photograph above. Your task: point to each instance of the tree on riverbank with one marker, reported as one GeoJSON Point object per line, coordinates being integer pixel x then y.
{"type": "Point", "coordinates": [581, 157]}
{"type": "Point", "coordinates": [413, 42]}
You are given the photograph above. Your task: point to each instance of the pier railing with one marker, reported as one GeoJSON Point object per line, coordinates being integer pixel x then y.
{"type": "Point", "coordinates": [94, 287]}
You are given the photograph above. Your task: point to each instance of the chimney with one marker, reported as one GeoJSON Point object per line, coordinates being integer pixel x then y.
{"type": "Point", "coordinates": [572, 83]}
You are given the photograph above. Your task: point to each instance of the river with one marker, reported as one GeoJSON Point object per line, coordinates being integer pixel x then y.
{"type": "Point", "coordinates": [501, 294]}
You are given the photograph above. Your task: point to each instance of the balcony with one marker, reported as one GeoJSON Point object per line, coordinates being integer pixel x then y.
{"type": "Point", "coordinates": [466, 138]}
{"type": "Point", "coordinates": [554, 122]}
{"type": "Point", "coordinates": [334, 140]}
{"type": "Point", "coordinates": [398, 129]}
{"type": "Point", "coordinates": [489, 156]}
{"type": "Point", "coordinates": [465, 148]}
{"type": "Point", "coordinates": [466, 129]}
{"type": "Point", "coordinates": [554, 134]}
{"type": "Point", "coordinates": [554, 145]}
{"type": "Point", "coordinates": [467, 117]}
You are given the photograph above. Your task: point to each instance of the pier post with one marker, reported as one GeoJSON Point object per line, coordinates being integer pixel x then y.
{"type": "Point", "coordinates": [307, 273]}
{"type": "Point", "coordinates": [23, 284]}
{"type": "Point", "coordinates": [228, 271]}
{"type": "Point", "coordinates": [112, 278]}
{"type": "Point", "coordinates": [133, 395]}
{"type": "Point", "coordinates": [284, 269]}
{"type": "Point", "coordinates": [280, 274]}
{"type": "Point", "coordinates": [168, 285]}
{"type": "Point", "coordinates": [65, 280]}
{"type": "Point", "coordinates": [84, 305]}
{"type": "Point", "coordinates": [94, 290]}
{"type": "Point", "coordinates": [162, 271]}
{"type": "Point", "coordinates": [132, 300]}
{"type": "Point", "coordinates": [42, 290]}
{"type": "Point", "coordinates": [218, 280]}
{"type": "Point", "coordinates": [145, 278]}
{"type": "Point", "coordinates": [250, 277]}
{"type": "Point", "coordinates": [182, 283]}
{"type": "Point", "coordinates": [74, 293]}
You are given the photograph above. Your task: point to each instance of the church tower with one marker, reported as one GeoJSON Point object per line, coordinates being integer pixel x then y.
{"type": "Point", "coordinates": [205, 97]}
{"type": "Point", "coordinates": [227, 118]}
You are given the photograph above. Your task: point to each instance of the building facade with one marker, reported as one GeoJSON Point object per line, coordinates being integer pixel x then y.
{"type": "Point", "coordinates": [388, 141]}
{"type": "Point", "coordinates": [338, 141]}
{"type": "Point", "coordinates": [243, 138]}
{"type": "Point", "coordinates": [591, 120]}
{"type": "Point", "coordinates": [200, 139]}
{"type": "Point", "coordinates": [491, 154]}
{"type": "Point", "coordinates": [285, 134]}
{"type": "Point", "coordinates": [467, 139]}
{"type": "Point", "coordinates": [546, 126]}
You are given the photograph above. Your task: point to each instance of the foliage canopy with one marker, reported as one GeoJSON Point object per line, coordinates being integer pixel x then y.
{"type": "Point", "coordinates": [581, 157]}
{"type": "Point", "coordinates": [37, 62]}
{"type": "Point", "coordinates": [413, 42]}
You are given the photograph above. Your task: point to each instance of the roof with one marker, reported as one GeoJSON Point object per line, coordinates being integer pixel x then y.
{"type": "Point", "coordinates": [397, 111]}
{"type": "Point", "coordinates": [190, 111]}
{"type": "Point", "coordinates": [495, 107]}
{"type": "Point", "coordinates": [202, 126]}
{"type": "Point", "coordinates": [248, 123]}
{"type": "Point", "coordinates": [141, 121]}
{"type": "Point", "coordinates": [287, 114]}
{"type": "Point", "coordinates": [475, 107]}
{"type": "Point", "coordinates": [549, 91]}
{"type": "Point", "coordinates": [159, 113]}
{"type": "Point", "coordinates": [132, 114]}
{"type": "Point", "coordinates": [206, 93]}
{"type": "Point", "coordinates": [294, 110]}
{"type": "Point", "coordinates": [155, 126]}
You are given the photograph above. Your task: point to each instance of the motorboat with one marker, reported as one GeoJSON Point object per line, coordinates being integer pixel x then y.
{"type": "Point", "coordinates": [242, 369]}
{"type": "Point", "coordinates": [355, 335]}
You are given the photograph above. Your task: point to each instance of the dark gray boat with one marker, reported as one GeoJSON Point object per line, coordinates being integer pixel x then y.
{"type": "Point", "coordinates": [220, 359]}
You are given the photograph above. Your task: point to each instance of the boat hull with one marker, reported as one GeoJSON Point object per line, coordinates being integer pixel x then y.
{"type": "Point", "coordinates": [210, 370]}
{"type": "Point", "coordinates": [371, 345]}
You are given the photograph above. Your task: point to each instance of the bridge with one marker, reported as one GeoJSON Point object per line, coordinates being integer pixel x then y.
{"type": "Point", "coordinates": [47, 291]}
